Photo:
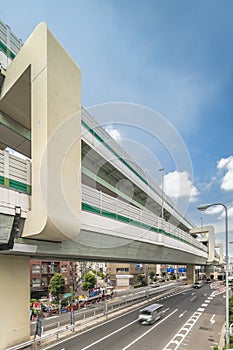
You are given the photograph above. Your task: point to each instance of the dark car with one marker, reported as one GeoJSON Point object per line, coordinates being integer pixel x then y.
{"type": "Point", "coordinates": [208, 280]}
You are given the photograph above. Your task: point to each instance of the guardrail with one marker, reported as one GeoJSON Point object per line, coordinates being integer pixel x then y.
{"type": "Point", "coordinates": [15, 172]}
{"type": "Point", "coordinates": [99, 133]}
{"type": "Point", "coordinates": [141, 216]}
{"type": "Point", "coordinates": [111, 310]}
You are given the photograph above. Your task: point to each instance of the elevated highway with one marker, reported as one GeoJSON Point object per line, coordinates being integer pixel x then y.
{"type": "Point", "coordinates": [114, 224]}
{"type": "Point", "coordinates": [80, 196]}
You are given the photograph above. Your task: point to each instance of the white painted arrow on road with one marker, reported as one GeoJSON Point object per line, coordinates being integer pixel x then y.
{"type": "Point", "coordinates": [212, 320]}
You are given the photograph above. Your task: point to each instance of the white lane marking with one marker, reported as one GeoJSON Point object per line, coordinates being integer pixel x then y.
{"type": "Point", "coordinates": [109, 335]}
{"type": "Point", "coordinates": [200, 309]}
{"type": "Point", "coordinates": [174, 343]}
{"type": "Point", "coordinates": [156, 325]}
{"type": "Point", "coordinates": [182, 313]}
{"type": "Point", "coordinates": [94, 327]}
{"type": "Point", "coordinates": [204, 305]}
{"type": "Point", "coordinates": [212, 320]}
{"type": "Point", "coordinates": [207, 301]}
{"type": "Point", "coordinates": [193, 298]}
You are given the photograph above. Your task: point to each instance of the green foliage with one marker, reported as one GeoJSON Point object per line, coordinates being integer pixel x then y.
{"type": "Point", "coordinates": [86, 286]}
{"type": "Point", "coordinates": [101, 274]}
{"type": "Point", "coordinates": [89, 281]}
{"type": "Point", "coordinates": [152, 275]}
{"type": "Point", "coordinates": [141, 280]}
{"type": "Point", "coordinates": [57, 285]}
{"type": "Point", "coordinates": [231, 309]}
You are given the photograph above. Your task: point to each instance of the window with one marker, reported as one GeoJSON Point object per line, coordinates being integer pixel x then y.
{"type": "Point", "coordinates": [52, 268]}
{"type": "Point", "coordinates": [35, 268]}
{"type": "Point", "coordinates": [44, 268]}
{"type": "Point", "coordinates": [122, 269]}
{"type": "Point", "coordinates": [35, 282]}
{"type": "Point", "coordinates": [44, 281]}
{"type": "Point", "coordinates": [63, 268]}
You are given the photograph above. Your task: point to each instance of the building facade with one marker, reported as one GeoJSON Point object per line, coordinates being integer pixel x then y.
{"type": "Point", "coordinates": [41, 271]}
{"type": "Point", "coordinates": [126, 274]}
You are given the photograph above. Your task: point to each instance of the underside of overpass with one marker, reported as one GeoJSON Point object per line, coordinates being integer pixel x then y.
{"type": "Point", "coordinates": [104, 248]}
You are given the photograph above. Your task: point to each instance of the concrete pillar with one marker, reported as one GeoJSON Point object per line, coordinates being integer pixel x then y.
{"type": "Point", "coordinates": [190, 273]}
{"type": "Point", "coordinates": [42, 92]}
{"type": "Point", "coordinates": [209, 269]}
{"type": "Point", "coordinates": [15, 300]}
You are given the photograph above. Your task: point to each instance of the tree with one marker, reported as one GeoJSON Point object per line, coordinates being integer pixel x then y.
{"type": "Point", "coordinates": [57, 285]}
{"type": "Point", "coordinates": [89, 281]}
{"type": "Point", "coordinates": [141, 279]}
{"type": "Point", "coordinates": [152, 275]}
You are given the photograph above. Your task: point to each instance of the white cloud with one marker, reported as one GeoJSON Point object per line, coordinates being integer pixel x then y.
{"type": "Point", "coordinates": [227, 180]}
{"type": "Point", "coordinates": [214, 210]}
{"type": "Point", "coordinates": [230, 213]}
{"type": "Point", "coordinates": [114, 133]}
{"type": "Point", "coordinates": [177, 184]}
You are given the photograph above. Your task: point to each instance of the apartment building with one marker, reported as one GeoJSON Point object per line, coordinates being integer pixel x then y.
{"type": "Point", "coordinates": [41, 271]}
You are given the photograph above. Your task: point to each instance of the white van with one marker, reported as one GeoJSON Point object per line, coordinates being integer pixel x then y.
{"type": "Point", "coordinates": [150, 313]}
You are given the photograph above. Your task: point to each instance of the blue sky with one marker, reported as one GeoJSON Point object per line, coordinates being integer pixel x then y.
{"type": "Point", "coordinates": [173, 57]}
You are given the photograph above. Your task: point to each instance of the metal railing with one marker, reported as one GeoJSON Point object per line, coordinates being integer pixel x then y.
{"type": "Point", "coordinates": [102, 201]}
{"type": "Point", "coordinates": [96, 129]}
{"type": "Point", "coordinates": [113, 309]}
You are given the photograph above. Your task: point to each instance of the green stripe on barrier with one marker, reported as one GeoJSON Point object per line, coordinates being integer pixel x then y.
{"type": "Point", "coordinates": [114, 216]}
{"type": "Point", "coordinates": [17, 185]}
{"type": "Point", "coordinates": [1, 180]}
{"type": "Point", "coordinates": [99, 138]}
{"type": "Point", "coordinates": [118, 217]}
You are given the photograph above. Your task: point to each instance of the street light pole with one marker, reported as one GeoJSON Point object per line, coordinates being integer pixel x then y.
{"type": "Point", "coordinates": [203, 208]}
{"type": "Point", "coordinates": [162, 170]}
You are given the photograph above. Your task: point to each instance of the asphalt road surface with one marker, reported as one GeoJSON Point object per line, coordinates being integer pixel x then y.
{"type": "Point", "coordinates": [192, 320]}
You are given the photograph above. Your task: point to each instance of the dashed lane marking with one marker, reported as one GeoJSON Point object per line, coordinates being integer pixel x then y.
{"type": "Point", "coordinates": [182, 333]}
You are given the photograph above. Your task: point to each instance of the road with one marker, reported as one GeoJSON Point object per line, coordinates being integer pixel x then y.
{"type": "Point", "coordinates": [53, 322]}
{"type": "Point", "coordinates": [192, 320]}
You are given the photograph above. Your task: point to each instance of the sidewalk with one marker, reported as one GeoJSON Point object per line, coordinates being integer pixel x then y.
{"type": "Point", "coordinates": [222, 337]}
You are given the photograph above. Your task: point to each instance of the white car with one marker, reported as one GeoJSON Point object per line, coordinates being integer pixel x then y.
{"type": "Point", "coordinates": [155, 284]}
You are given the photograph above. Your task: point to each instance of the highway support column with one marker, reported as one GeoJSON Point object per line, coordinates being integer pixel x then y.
{"type": "Point", "coordinates": [190, 273]}
{"type": "Point", "coordinates": [42, 92]}
{"type": "Point", "coordinates": [15, 300]}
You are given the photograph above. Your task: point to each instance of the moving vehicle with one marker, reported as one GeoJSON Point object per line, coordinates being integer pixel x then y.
{"type": "Point", "coordinates": [198, 284]}
{"type": "Point", "coordinates": [109, 291]}
{"type": "Point", "coordinates": [150, 313]}
{"type": "Point", "coordinates": [97, 294]}
{"type": "Point", "coordinates": [155, 284]}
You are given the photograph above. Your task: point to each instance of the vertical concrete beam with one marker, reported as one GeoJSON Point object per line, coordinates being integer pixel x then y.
{"type": "Point", "coordinates": [51, 81]}
{"type": "Point", "coordinates": [190, 273]}
{"type": "Point", "coordinates": [15, 300]}
{"type": "Point", "coordinates": [211, 240]}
